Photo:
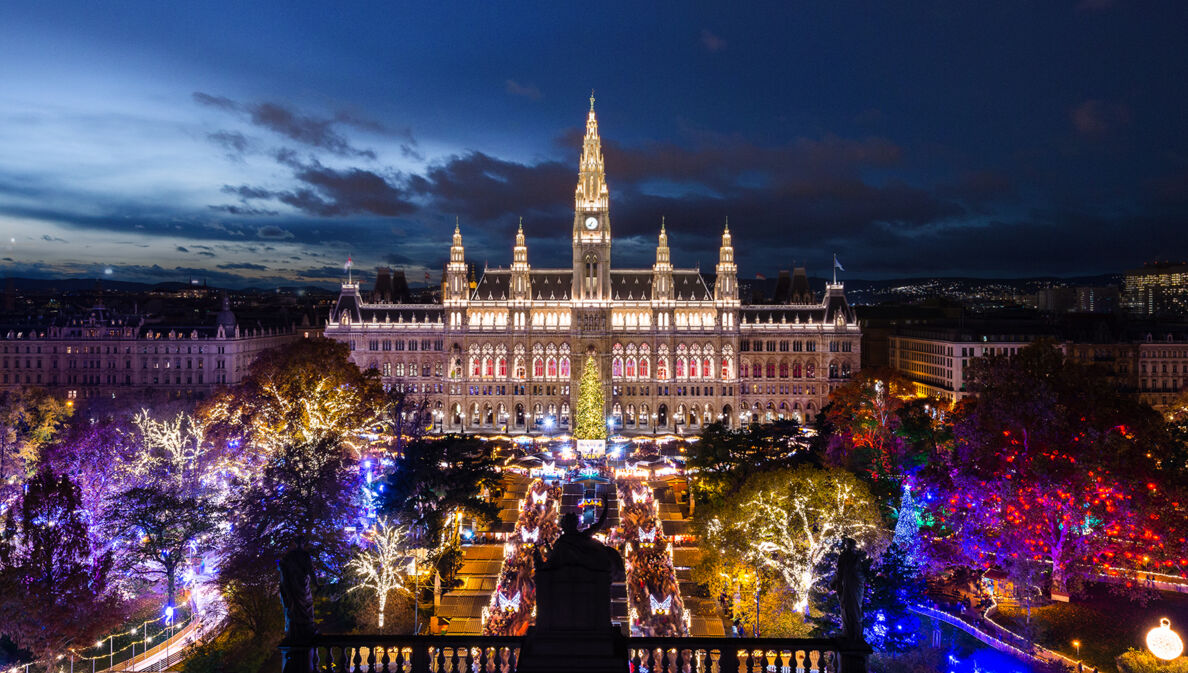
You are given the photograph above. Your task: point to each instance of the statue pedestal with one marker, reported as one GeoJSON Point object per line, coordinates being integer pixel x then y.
{"type": "Point", "coordinates": [573, 630]}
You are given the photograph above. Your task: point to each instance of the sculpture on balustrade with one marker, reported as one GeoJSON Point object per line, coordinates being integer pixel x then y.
{"type": "Point", "coordinates": [297, 584]}
{"type": "Point", "coordinates": [573, 630]}
{"type": "Point", "coordinates": [850, 585]}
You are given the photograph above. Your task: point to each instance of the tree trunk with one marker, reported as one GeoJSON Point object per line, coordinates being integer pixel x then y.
{"type": "Point", "coordinates": [170, 582]}
{"type": "Point", "coordinates": [383, 600]}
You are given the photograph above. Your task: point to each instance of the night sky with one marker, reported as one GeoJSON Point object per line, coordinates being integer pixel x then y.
{"type": "Point", "coordinates": [255, 146]}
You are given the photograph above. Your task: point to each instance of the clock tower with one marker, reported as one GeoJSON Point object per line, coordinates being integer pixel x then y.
{"type": "Point", "coordinates": [591, 220]}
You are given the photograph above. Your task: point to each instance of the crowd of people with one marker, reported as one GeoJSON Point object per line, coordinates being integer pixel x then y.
{"type": "Point", "coordinates": [652, 588]}
{"type": "Point", "coordinates": [514, 599]}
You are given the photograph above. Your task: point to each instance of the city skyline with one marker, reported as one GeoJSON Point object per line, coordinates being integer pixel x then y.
{"type": "Point", "coordinates": [155, 143]}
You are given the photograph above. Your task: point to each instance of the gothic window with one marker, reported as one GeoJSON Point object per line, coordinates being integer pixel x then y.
{"type": "Point", "coordinates": [538, 368]}
{"type": "Point", "coordinates": [783, 370]}
{"type": "Point", "coordinates": [707, 368]}
{"type": "Point", "coordinates": [771, 370]}
{"type": "Point", "coordinates": [833, 370]}
{"type": "Point", "coordinates": [630, 368]}
{"type": "Point", "coordinates": [662, 368]}
{"type": "Point", "coordinates": [476, 368]}
{"type": "Point", "coordinates": [565, 363]}
{"type": "Point", "coordinates": [745, 371]}
{"type": "Point", "coordinates": [845, 370]}
{"type": "Point", "coordinates": [617, 367]}
{"type": "Point", "coordinates": [520, 370]}
{"type": "Point", "coordinates": [502, 373]}
{"type": "Point", "coordinates": [489, 366]}
{"type": "Point", "coordinates": [797, 371]}
{"type": "Point", "coordinates": [810, 371]}
{"type": "Point", "coordinates": [552, 368]}
{"type": "Point", "coordinates": [680, 367]}
{"type": "Point", "coordinates": [725, 368]}
{"type": "Point", "coordinates": [643, 367]}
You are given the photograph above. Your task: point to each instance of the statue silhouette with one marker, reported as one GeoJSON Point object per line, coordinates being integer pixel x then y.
{"type": "Point", "coordinates": [850, 586]}
{"type": "Point", "coordinates": [297, 584]}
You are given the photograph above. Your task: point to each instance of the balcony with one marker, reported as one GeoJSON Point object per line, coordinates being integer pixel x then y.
{"type": "Point", "coordinates": [499, 654]}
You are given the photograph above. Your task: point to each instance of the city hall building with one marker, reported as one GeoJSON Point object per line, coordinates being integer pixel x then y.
{"type": "Point", "coordinates": [677, 349]}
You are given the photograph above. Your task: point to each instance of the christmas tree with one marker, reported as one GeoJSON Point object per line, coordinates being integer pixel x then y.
{"type": "Point", "coordinates": [590, 423]}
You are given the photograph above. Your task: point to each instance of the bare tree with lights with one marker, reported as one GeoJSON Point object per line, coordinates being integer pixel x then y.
{"type": "Point", "coordinates": [382, 565]}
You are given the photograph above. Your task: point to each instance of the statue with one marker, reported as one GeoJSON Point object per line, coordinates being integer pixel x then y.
{"type": "Point", "coordinates": [297, 584]}
{"type": "Point", "coordinates": [573, 630]}
{"type": "Point", "coordinates": [850, 586]}
{"type": "Point", "coordinates": [578, 548]}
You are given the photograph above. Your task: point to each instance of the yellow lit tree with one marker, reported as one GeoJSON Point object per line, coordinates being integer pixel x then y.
{"type": "Point", "coordinates": [589, 420]}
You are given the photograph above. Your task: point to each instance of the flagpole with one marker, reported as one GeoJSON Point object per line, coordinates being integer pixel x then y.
{"type": "Point", "coordinates": [835, 268]}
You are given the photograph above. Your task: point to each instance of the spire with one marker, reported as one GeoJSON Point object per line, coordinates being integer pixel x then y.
{"type": "Point", "coordinates": [591, 193]}
{"type": "Point", "coordinates": [520, 251]}
{"type": "Point", "coordinates": [663, 263]}
{"type": "Point", "coordinates": [726, 283]}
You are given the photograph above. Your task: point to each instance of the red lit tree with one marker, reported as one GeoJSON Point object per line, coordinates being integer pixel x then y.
{"type": "Point", "coordinates": [1049, 469]}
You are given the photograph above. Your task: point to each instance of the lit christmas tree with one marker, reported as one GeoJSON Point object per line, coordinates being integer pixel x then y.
{"type": "Point", "coordinates": [590, 422]}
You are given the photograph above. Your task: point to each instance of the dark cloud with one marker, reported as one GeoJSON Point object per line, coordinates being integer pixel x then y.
{"type": "Point", "coordinates": [1096, 117]}
{"type": "Point", "coordinates": [234, 142]}
{"type": "Point", "coordinates": [182, 248]}
{"type": "Point", "coordinates": [273, 232]}
{"type": "Point", "coordinates": [480, 187]}
{"type": "Point", "coordinates": [712, 42]}
{"type": "Point", "coordinates": [244, 210]}
{"type": "Point", "coordinates": [245, 266]}
{"type": "Point", "coordinates": [53, 239]}
{"type": "Point", "coordinates": [524, 90]}
{"type": "Point", "coordinates": [315, 132]}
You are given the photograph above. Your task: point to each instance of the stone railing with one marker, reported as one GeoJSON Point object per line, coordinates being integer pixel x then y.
{"type": "Point", "coordinates": [500, 654]}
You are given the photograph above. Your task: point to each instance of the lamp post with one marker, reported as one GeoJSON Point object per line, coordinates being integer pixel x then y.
{"type": "Point", "coordinates": [1077, 644]}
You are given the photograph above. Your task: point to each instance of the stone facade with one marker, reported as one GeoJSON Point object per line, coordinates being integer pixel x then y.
{"type": "Point", "coordinates": [677, 349]}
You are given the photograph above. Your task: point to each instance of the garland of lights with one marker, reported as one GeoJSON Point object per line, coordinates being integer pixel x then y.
{"type": "Point", "coordinates": [512, 608]}
{"type": "Point", "coordinates": [656, 607]}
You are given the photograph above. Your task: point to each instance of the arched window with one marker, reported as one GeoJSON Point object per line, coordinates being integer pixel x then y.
{"type": "Point", "coordinates": [810, 371]}
{"type": "Point", "coordinates": [643, 367]}
{"type": "Point", "coordinates": [783, 370]}
{"type": "Point", "coordinates": [630, 368]}
{"type": "Point", "coordinates": [771, 370]}
{"type": "Point", "coordinates": [630, 419]}
{"type": "Point", "coordinates": [662, 368]}
{"type": "Point", "coordinates": [476, 367]}
{"type": "Point", "coordinates": [617, 367]}
{"type": "Point", "coordinates": [489, 366]}
{"type": "Point", "coordinates": [552, 368]}
{"type": "Point", "coordinates": [502, 371]}
{"type": "Point", "coordinates": [538, 368]}
{"type": "Point", "coordinates": [725, 369]}
{"type": "Point", "coordinates": [744, 370]}
{"type": "Point", "coordinates": [845, 370]}
{"type": "Point", "coordinates": [680, 367]}
{"type": "Point", "coordinates": [564, 366]}
{"type": "Point", "coordinates": [707, 367]}
{"type": "Point", "coordinates": [521, 370]}
{"type": "Point", "coordinates": [797, 371]}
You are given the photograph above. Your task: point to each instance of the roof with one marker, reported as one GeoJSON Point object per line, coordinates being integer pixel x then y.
{"type": "Point", "coordinates": [626, 285]}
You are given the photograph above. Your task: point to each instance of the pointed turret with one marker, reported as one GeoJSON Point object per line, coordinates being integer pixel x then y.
{"type": "Point", "coordinates": [591, 188]}
{"type": "Point", "coordinates": [456, 285]}
{"type": "Point", "coordinates": [662, 269]}
{"type": "Point", "coordinates": [521, 272]}
{"type": "Point", "coordinates": [726, 285]}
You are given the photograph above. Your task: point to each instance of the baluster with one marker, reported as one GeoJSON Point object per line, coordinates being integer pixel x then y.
{"type": "Point", "coordinates": [384, 661]}
{"type": "Point", "coordinates": [800, 654]}
{"type": "Point", "coordinates": [357, 661]}
{"type": "Point", "coordinates": [513, 657]}
{"type": "Point", "coordinates": [470, 660]}
{"type": "Point", "coordinates": [371, 659]}
{"type": "Point", "coordinates": [815, 657]}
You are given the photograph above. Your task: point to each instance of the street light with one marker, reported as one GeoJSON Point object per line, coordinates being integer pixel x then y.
{"type": "Point", "coordinates": [1077, 644]}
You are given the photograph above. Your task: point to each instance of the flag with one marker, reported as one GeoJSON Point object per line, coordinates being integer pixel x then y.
{"type": "Point", "coordinates": [426, 277]}
{"type": "Point", "coordinates": [348, 265]}
{"type": "Point", "coordinates": [760, 276]}
{"type": "Point", "coordinates": [836, 264]}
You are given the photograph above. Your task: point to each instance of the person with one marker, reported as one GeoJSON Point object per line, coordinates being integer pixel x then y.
{"type": "Point", "coordinates": [297, 584]}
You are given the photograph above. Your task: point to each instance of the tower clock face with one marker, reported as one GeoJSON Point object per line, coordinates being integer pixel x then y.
{"type": "Point", "coordinates": [591, 223]}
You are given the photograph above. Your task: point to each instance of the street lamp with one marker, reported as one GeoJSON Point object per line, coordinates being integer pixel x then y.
{"type": "Point", "coordinates": [1077, 644]}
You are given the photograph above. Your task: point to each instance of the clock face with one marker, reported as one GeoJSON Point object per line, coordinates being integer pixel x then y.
{"type": "Point", "coordinates": [591, 223]}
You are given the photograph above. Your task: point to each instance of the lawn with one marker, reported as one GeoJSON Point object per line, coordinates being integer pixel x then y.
{"type": "Point", "coordinates": [1107, 625]}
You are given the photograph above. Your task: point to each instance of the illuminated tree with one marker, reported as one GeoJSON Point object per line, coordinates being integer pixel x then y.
{"type": "Point", "coordinates": [867, 415]}
{"type": "Point", "coordinates": [438, 478]}
{"type": "Point", "coordinates": [30, 418]}
{"type": "Point", "coordinates": [1050, 468]}
{"type": "Point", "coordinates": [724, 459]}
{"type": "Point", "coordinates": [382, 565]}
{"type": "Point", "coordinates": [53, 579]}
{"type": "Point", "coordinates": [300, 393]}
{"type": "Point", "coordinates": [172, 448]}
{"type": "Point", "coordinates": [789, 521]}
{"type": "Point", "coordinates": [158, 527]}
{"type": "Point", "coordinates": [590, 415]}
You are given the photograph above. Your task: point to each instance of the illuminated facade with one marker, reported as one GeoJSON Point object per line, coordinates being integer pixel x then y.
{"type": "Point", "coordinates": [101, 354]}
{"type": "Point", "coordinates": [1159, 290]}
{"type": "Point", "coordinates": [677, 349]}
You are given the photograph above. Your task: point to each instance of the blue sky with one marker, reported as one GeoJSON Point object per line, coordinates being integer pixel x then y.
{"type": "Point", "coordinates": [257, 144]}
